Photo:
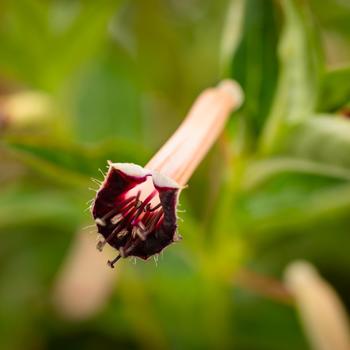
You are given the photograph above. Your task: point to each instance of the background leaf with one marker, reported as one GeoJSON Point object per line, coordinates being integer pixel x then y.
{"type": "Point", "coordinates": [298, 82]}
{"type": "Point", "coordinates": [335, 91]}
{"type": "Point", "coordinates": [254, 64]}
{"type": "Point", "coordinates": [324, 138]}
{"type": "Point", "coordinates": [72, 164]}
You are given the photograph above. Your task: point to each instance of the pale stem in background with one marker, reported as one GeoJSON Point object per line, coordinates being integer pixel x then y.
{"type": "Point", "coordinates": [84, 283]}
{"type": "Point", "coordinates": [321, 311]}
{"type": "Point", "coordinates": [24, 108]}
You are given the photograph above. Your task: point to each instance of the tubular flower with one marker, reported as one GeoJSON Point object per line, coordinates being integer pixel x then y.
{"type": "Point", "coordinates": [135, 207]}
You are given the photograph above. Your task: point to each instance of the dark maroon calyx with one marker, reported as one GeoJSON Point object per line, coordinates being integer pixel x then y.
{"type": "Point", "coordinates": [135, 212]}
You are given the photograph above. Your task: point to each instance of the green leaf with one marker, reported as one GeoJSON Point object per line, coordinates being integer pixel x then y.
{"type": "Point", "coordinates": [324, 242]}
{"type": "Point", "coordinates": [260, 171]}
{"type": "Point", "coordinates": [36, 225]}
{"type": "Point", "coordinates": [292, 201]}
{"type": "Point", "coordinates": [24, 35]}
{"type": "Point", "coordinates": [106, 100]}
{"type": "Point", "coordinates": [30, 204]}
{"type": "Point", "coordinates": [298, 82]}
{"type": "Point", "coordinates": [254, 64]}
{"type": "Point", "coordinates": [335, 90]}
{"type": "Point", "coordinates": [38, 52]}
{"type": "Point", "coordinates": [334, 17]}
{"type": "Point", "coordinates": [324, 139]}
{"type": "Point", "coordinates": [256, 320]}
{"type": "Point", "coordinates": [319, 146]}
{"type": "Point", "coordinates": [72, 164]}
{"type": "Point", "coordinates": [80, 40]}
{"type": "Point", "coordinates": [232, 33]}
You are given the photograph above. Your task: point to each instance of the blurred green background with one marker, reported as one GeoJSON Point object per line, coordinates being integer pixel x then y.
{"type": "Point", "coordinates": [82, 82]}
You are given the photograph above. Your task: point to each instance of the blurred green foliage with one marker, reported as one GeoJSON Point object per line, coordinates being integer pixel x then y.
{"type": "Point", "coordinates": [121, 75]}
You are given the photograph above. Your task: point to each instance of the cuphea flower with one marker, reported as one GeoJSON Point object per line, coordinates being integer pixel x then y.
{"type": "Point", "coordinates": [135, 207]}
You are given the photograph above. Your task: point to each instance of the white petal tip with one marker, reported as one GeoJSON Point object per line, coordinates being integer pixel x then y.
{"type": "Point", "coordinates": [160, 180]}
{"type": "Point", "coordinates": [130, 169]}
